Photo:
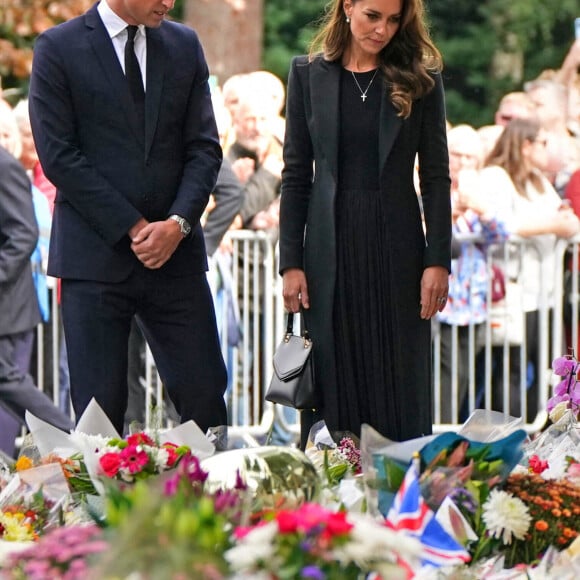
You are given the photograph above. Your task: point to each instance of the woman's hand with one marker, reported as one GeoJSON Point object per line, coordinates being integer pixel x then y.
{"type": "Point", "coordinates": [434, 290]}
{"type": "Point", "coordinates": [294, 289]}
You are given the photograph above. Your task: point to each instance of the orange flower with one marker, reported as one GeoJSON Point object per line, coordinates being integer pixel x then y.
{"type": "Point", "coordinates": [24, 463]}
{"type": "Point", "coordinates": [541, 525]}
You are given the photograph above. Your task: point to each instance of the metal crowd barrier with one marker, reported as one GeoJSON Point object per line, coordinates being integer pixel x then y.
{"type": "Point", "coordinates": [253, 312]}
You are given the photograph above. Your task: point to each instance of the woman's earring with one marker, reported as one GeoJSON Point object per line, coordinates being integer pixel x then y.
{"type": "Point", "coordinates": [347, 20]}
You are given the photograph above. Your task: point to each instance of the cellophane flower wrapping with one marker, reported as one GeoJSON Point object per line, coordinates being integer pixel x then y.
{"type": "Point", "coordinates": [338, 463]}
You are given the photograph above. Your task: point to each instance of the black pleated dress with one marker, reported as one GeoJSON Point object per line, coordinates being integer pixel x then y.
{"type": "Point", "coordinates": [363, 331]}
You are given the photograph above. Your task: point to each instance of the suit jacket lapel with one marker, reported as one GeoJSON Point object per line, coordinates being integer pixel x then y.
{"type": "Point", "coordinates": [111, 67]}
{"type": "Point", "coordinates": [324, 96]}
{"type": "Point", "coordinates": [389, 127]}
{"type": "Point", "coordinates": [155, 72]}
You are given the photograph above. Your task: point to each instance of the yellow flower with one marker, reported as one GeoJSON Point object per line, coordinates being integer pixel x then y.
{"type": "Point", "coordinates": [15, 530]}
{"type": "Point", "coordinates": [23, 463]}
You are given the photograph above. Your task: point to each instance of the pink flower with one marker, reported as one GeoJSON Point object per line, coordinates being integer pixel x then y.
{"type": "Point", "coordinates": [573, 470]}
{"type": "Point", "coordinates": [563, 365]}
{"type": "Point", "coordinates": [110, 463]}
{"type": "Point", "coordinates": [133, 458]}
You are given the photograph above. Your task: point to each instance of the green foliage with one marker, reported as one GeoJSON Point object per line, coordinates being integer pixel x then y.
{"type": "Point", "coordinates": [289, 26]}
{"type": "Point", "coordinates": [529, 35]}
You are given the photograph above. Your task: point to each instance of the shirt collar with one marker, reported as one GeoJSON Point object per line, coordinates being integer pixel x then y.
{"type": "Point", "coordinates": [114, 23]}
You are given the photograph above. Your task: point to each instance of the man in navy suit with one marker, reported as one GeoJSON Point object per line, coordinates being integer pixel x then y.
{"type": "Point", "coordinates": [133, 176]}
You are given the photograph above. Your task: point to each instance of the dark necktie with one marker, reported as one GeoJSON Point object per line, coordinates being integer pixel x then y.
{"type": "Point", "coordinates": [132, 70]}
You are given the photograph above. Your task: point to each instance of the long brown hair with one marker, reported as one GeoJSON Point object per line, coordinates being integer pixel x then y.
{"type": "Point", "coordinates": [406, 61]}
{"type": "Point", "coordinates": [507, 153]}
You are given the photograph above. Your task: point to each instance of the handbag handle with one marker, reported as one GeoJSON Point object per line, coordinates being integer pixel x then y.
{"type": "Point", "coordinates": [290, 329]}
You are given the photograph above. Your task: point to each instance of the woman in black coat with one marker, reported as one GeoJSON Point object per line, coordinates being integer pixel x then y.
{"type": "Point", "coordinates": [355, 250]}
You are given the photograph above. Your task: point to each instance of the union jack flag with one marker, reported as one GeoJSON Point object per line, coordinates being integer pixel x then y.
{"type": "Point", "coordinates": [411, 514]}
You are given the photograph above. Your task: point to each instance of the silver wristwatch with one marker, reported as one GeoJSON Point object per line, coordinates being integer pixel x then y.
{"type": "Point", "coordinates": [183, 224]}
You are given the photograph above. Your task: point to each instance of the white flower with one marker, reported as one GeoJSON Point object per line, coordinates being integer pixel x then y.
{"type": "Point", "coordinates": [160, 457]}
{"type": "Point", "coordinates": [371, 542]}
{"type": "Point", "coordinates": [255, 547]}
{"type": "Point", "coordinates": [558, 411]}
{"type": "Point", "coordinates": [96, 443]}
{"type": "Point", "coordinates": [506, 516]}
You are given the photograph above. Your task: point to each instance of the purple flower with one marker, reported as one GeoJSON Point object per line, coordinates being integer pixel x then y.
{"type": "Point", "coordinates": [191, 466]}
{"type": "Point", "coordinates": [556, 400]}
{"type": "Point", "coordinates": [313, 572]}
{"type": "Point", "coordinates": [171, 485]}
{"type": "Point", "coordinates": [575, 394]}
{"type": "Point", "coordinates": [563, 365]}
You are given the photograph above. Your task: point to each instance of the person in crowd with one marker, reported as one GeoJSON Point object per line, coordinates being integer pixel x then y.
{"type": "Point", "coordinates": [488, 135]}
{"type": "Point", "coordinates": [19, 308]}
{"type": "Point", "coordinates": [563, 153]}
{"type": "Point", "coordinates": [514, 105]}
{"type": "Point", "coordinates": [228, 193]}
{"type": "Point", "coordinates": [256, 158]}
{"type": "Point", "coordinates": [43, 193]}
{"type": "Point", "coordinates": [353, 252]}
{"type": "Point", "coordinates": [466, 310]}
{"type": "Point", "coordinates": [231, 89]}
{"type": "Point", "coordinates": [569, 75]}
{"type": "Point", "coordinates": [134, 168]}
{"type": "Point", "coordinates": [29, 156]}
{"type": "Point", "coordinates": [517, 190]}
{"type": "Point", "coordinates": [263, 81]}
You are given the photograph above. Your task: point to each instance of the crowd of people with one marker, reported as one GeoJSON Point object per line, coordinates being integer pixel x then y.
{"type": "Point", "coordinates": [352, 238]}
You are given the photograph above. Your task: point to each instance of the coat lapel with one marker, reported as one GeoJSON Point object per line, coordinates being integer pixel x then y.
{"type": "Point", "coordinates": [389, 127]}
{"type": "Point", "coordinates": [324, 96]}
{"type": "Point", "coordinates": [111, 68]}
{"type": "Point", "coordinates": [155, 72]}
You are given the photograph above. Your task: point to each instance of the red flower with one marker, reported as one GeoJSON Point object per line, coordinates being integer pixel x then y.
{"type": "Point", "coordinates": [110, 463]}
{"type": "Point", "coordinates": [133, 459]}
{"type": "Point", "coordinates": [538, 465]}
{"type": "Point", "coordinates": [140, 439]}
{"type": "Point", "coordinates": [337, 524]}
{"type": "Point", "coordinates": [172, 457]}
{"type": "Point", "coordinates": [287, 522]}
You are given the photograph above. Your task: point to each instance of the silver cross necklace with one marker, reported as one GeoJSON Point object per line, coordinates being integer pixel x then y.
{"type": "Point", "coordinates": [363, 94]}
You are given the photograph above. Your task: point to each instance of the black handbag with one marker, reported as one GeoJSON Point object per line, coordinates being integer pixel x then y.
{"type": "Point", "coordinates": [292, 382]}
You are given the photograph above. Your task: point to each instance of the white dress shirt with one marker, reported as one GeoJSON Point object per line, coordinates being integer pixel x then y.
{"type": "Point", "coordinates": [117, 29]}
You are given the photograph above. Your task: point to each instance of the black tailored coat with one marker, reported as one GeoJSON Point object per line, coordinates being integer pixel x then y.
{"type": "Point", "coordinates": [307, 224]}
{"type": "Point", "coordinates": [18, 237]}
{"type": "Point", "coordinates": [108, 175]}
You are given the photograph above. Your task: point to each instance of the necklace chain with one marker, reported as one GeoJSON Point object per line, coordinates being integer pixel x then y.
{"type": "Point", "coordinates": [363, 94]}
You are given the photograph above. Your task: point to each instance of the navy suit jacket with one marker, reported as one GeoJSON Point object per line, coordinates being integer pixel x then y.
{"type": "Point", "coordinates": [91, 148]}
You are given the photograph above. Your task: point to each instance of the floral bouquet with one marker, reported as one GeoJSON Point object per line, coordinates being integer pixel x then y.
{"type": "Point", "coordinates": [339, 466]}
{"type": "Point", "coordinates": [171, 526]}
{"type": "Point", "coordinates": [95, 451]}
{"type": "Point", "coordinates": [63, 553]}
{"type": "Point", "coordinates": [313, 542]}
{"type": "Point", "coordinates": [137, 457]}
{"type": "Point", "coordinates": [335, 460]}
{"type": "Point", "coordinates": [553, 516]}
{"type": "Point", "coordinates": [33, 502]}
{"type": "Point", "coordinates": [27, 517]}
{"type": "Point", "coordinates": [567, 391]}
{"type": "Point", "coordinates": [450, 465]}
